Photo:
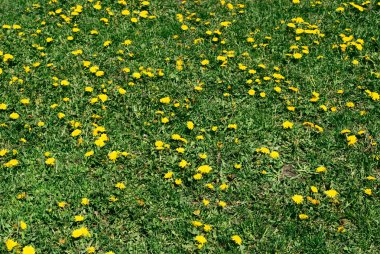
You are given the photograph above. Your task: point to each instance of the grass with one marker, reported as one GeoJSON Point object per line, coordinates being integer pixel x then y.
{"type": "Point", "coordinates": [237, 102]}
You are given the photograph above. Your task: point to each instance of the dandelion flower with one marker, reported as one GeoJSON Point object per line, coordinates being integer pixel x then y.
{"type": "Point", "coordinates": [236, 239]}
{"type": "Point", "coordinates": [298, 199]}
{"type": "Point", "coordinates": [331, 193]}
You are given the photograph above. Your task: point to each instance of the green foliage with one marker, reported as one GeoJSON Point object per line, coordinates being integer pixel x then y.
{"type": "Point", "coordinates": [189, 126]}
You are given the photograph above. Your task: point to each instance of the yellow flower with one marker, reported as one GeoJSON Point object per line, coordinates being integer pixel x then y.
{"type": "Point", "coordinates": [200, 239]}
{"type": "Point", "coordinates": [127, 42]}
{"type": "Point", "coordinates": [351, 140]}
{"type": "Point", "coordinates": [232, 126]}
{"type": "Point", "coordinates": [125, 12]}
{"type": "Point", "coordinates": [7, 57]}
{"type": "Point", "coordinates": [314, 189]}
{"type": "Point", "coordinates": [78, 218]}
{"type": "Point", "coordinates": [100, 142]}
{"type": "Point", "coordinates": [180, 150]}
{"type": "Point", "coordinates": [14, 116]}
{"type": "Point", "coordinates": [251, 92]}
{"type": "Point", "coordinates": [237, 239]}
{"type": "Point", "coordinates": [113, 199]}
{"type": "Point", "coordinates": [204, 169]}
{"type": "Point", "coordinates": [89, 153]}
{"type": "Point", "coordinates": [196, 223]}
{"type": "Point", "coordinates": [25, 101]}
{"type": "Point", "coordinates": [297, 55]}
{"type": "Point", "coordinates": [136, 75]}
{"type": "Point", "coordinates": [223, 186]}
{"type": "Point", "coordinates": [76, 132]}
{"type": "Point", "coordinates": [120, 186]}
{"type": "Point", "coordinates": [207, 228]}
{"type": "Point", "coordinates": [264, 150]}
{"type": "Point", "coordinates": [12, 163]}
{"type": "Point", "coordinates": [3, 152]}
{"type": "Point", "coordinates": [3, 106]}
{"type": "Point", "coordinates": [113, 155]}
{"type": "Point", "coordinates": [341, 229]}
{"type": "Point", "coordinates": [287, 125]}
{"type": "Point", "coordinates": [65, 82]}
{"type": "Point", "coordinates": [50, 161]}
{"type": "Point", "coordinates": [107, 43]}
{"type": "Point", "coordinates": [368, 192]}
{"type": "Point", "coordinates": [205, 62]}
{"type": "Point", "coordinates": [178, 181]}
{"type": "Point", "coordinates": [331, 193]}
{"type": "Point", "coordinates": [77, 52]}
{"type": "Point", "coordinates": [83, 231]}
{"type": "Point", "coordinates": [97, 6]}
{"type": "Point", "coordinates": [86, 63]}
{"type": "Point", "coordinates": [62, 204]}
{"type": "Point", "coordinates": [320, 169]}
{"type": "Point", "coordinates": [190, 125]}
{"type": "Point", "coordinates": [168, 175]}
{"type": "Point", "coordinates": [206, 202]}
{"type": "Point", "coordinates": [103, 97]}
{"type": "Point", "coordinates": [222, 204]}
{"type": "Point", "coordinates": [274, 155]}
{"type": "Point", "coordinates": [10, 244]}
{"type": "Point", "coordinates": [94, 69]}
{"type": "Point", "coordinates": [99, 73]}
{"type": "Point", "coordinates": [28, 250]}
{"type": "Point", "coordinates": [90, 250]}
{"type": "Point", "coordinates": [298, 199]}
{"type": "Point", "coordinates": [85, 201]}
{"type": "Point", "coordinates": [165, 100]}
{"type": "Point", "coordinates": [210, 186]}
{"type": "Point", "coordinates": [197, 176]}
{"type": "Point", "coordinates": [202, 156]}
{"type": "Point", "coordinates": [23, 225]}
{"type": "Point", "coordinates": [183, 164]}
{"type": "Point", "coordinates": [122, 90]}
{"type": "Point", "coordinates": [303, 216]}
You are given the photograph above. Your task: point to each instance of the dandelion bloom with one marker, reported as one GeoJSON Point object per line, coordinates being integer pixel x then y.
{"type": "Point", "coordinates": [331, 193]}
{"type": "Point", "coordinates": [237, 239]}
{"type": "Point", "coordinates": [298, 199]}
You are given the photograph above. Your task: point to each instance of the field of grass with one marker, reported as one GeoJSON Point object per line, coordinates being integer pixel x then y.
{"type": "Point", "coordinates": [186, 126]}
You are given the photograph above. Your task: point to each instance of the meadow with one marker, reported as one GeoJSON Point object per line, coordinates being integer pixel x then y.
{"type": "Point", "coordinates": [189, 126]}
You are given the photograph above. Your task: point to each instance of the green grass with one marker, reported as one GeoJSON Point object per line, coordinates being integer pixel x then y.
{"type": "Point", "coordinates": [153, 214]}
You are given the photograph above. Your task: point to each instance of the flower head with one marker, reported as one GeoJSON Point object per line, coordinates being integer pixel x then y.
{"type": "Point", "coordinates": [237, 239]}
{"type": "Point", "coordinates": [298, 199]}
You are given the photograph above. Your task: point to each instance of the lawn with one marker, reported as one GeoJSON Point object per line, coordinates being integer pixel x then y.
{"type": "Point", "coordinates": [189, 126]}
